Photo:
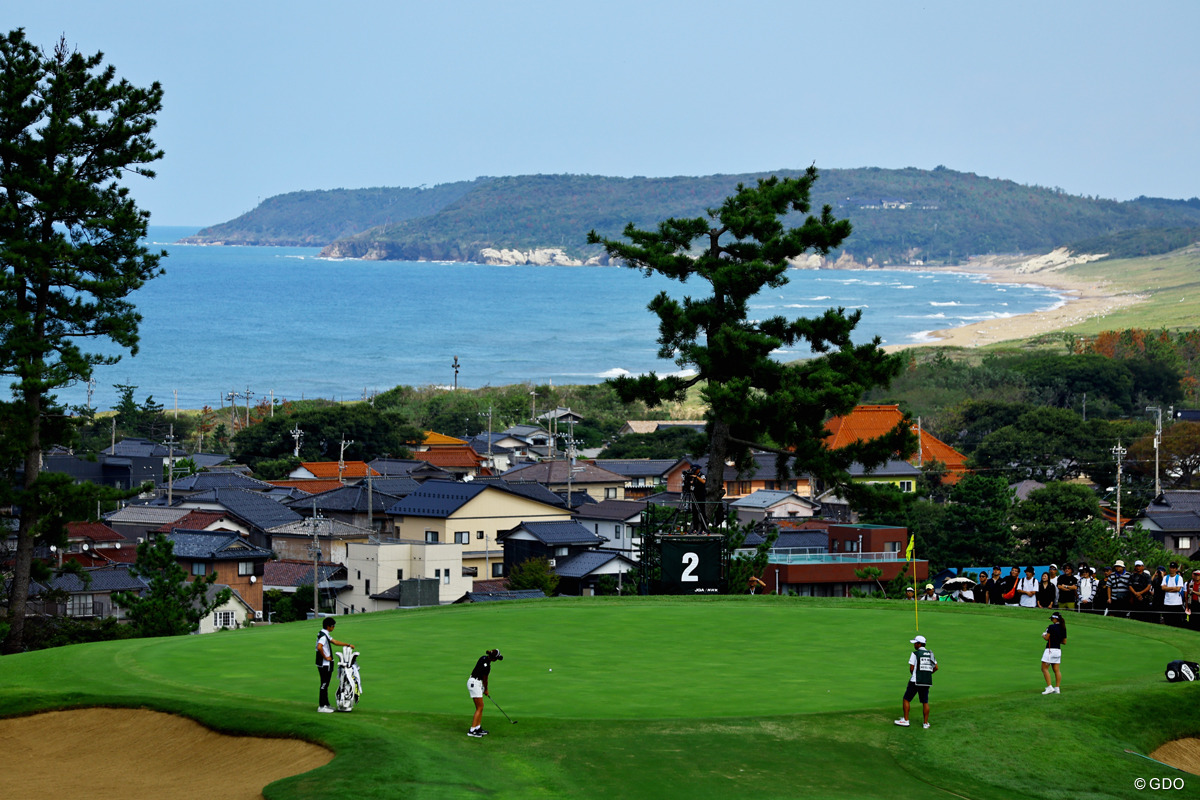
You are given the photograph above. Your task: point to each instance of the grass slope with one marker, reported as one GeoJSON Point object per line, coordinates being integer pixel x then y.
{"type": "Point", "coordinates": [663, 697]}
{"type": "Point", "coordinates": [1170, 283]}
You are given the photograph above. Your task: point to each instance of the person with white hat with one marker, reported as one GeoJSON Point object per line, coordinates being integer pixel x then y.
{"type": "Point", "coordinates": [1118, 590]}
{"type": "Point", "coordinates": [929, 593]}
{"type": "Point", "coordinates": [921, 666]}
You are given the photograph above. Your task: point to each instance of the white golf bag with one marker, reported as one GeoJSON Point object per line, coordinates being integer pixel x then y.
{"type": "Point", "coordinates": [349, 681]}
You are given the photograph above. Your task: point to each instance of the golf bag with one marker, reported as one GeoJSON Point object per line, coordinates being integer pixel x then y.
{"type": "Point", "coordinates": [1182, 671]}
{"type": "Point", "coordinates": [349, 681]}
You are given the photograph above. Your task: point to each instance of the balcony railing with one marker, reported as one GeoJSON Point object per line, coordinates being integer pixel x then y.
{"type": "Point", "coordinates": [809, 555]}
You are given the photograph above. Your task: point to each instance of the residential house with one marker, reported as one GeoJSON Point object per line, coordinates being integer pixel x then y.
{"type": "Point", "coordinates": [136, 522]}
{"type": "Point", "coordinates": [394, 573]}
{"type": "Point", "coordinates": [472, 515]}
{"type": "Point", "coordinates": [237, 562]}
{"type": "Point", "coordinates": [1173, 519]}
{"type": "Point", "coordinates": [288, 575]}
{"type": "Point", "coordinates": [199, 482]}
{"type": "Point", "coordinates": [537, 438]}
{"type": "Point", "coordinates": [360, 505]}
{"type": "Point", "coordinates": [656, 425]}
{"type": "Point", "coordinates": [94, 599]}
{"type": "Point", "coordinates": [461, 462]}
{"type": "Point", "coordinates": [234, 613]}
{"type": "Point", "coordinates": [556, 541]}
{"type": "Point", "coordinates": [872, 421]}
{"type": "Point", "coordinates": [413, 468]}
{"type": "Point", "coordinates": [643, 476]}
{"type": "Point", "coordinates": [580, 574]}
{"type": "Point", "coordinates": [145, 448]}
{"type": "Point", "coordinates": [294, 540]}
{"type": "Point", "coordinates": [798, 563]}
{"type": "Point", "coordinates": [766, 504]}
{"type": "Point", "coordinates": [557, 476]}
{"type": "Point", "coordinates": [120, 472]}
{"type": "Point", "coordinates": [257, 512]}
{"type": "Point", "coordinates": [616, 522]}
{"type": "Point", "coordinates": [342, 471]}
{"type": "Point", "coordinates": [762, 473]}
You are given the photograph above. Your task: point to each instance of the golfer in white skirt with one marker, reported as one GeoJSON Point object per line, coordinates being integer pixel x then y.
{"type": "Point", "coordinates": [1056, 637]}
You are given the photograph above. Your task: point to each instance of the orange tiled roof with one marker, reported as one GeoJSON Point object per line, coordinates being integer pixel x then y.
{"type": "Point", "coordinates": [434, 439]}
{"type": "Point", "coordinates": [310, 485]}
{"type": "Point", "coordinates": [448, 457]}
{"type": "Point", "coordinates": [193, 521]}
{"type": "Point", "coordinates": [328, 470]}
{"type": "Point", "coordinates": [871, 421]}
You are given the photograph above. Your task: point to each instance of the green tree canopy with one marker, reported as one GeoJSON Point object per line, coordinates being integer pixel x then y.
{"type": "Point", "coordinates": [71, 250]}
{"type": "Point", "coordinates": [534, 573]}
{"type": "Point", "coordinates": [1058, 523]}
{"type": "Point", "coordinates": [370, 432]}
{"type": "Point", "coordinates": [753, 400]}
{"type": "Point", "coordinates": [172, 605]}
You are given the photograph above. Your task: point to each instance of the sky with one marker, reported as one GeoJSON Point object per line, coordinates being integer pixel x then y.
{"type": "Point", "coordinates": [1097, 98]}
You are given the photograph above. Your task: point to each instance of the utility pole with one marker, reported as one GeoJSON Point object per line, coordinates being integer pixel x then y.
{"type": "Point", "coordinates": [297, 435]}
{"type": "Point", "coordinates": [1157, 440]}
{"type": "Point", "coordinates": [455, 365]}
{"type": "Point", "coordinates": [315, 552]}
{"type": "Point", "coordinates": [249, 394]}
{"type": "Point", "coordinates": [1119, 452]}
{"type": "Point", "coordinates": [490, 464]}
{"type": "Point", "coordinates": [342, 460]}
{"type": "Point", "coordinates": [171, 466]}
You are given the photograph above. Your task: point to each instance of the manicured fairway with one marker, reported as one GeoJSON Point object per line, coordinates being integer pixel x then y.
{"type": "Point", "coordinates": [661, 697]}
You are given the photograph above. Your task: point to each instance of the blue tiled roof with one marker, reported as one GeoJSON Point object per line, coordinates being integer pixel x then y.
{"type": "Point", "coordinates": [557, 533]}
{"type": "Point", "coordinates": [488, 597]}
{"type": "Point", "coordinates": [214, 546]}
{"type": "Point", "coordinates": [104, 579]}
{"type": "Point", "coordinates": [584, 563]}
{"type": "Point", "coordinates": [437, 499]}
{"type": "Point", "coordinates": [252, 507]}
{"type": "Point", "coordinates": [203, 481]}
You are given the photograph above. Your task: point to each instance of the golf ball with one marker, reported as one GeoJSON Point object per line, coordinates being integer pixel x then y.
{"type": "Point", "coordinates": [551, 669]}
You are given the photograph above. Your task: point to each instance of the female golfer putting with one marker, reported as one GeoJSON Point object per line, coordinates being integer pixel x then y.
{"type": "Point", "coordinates": [1055, 636]}
{"type": "Point", "coordinates": [477, 687]}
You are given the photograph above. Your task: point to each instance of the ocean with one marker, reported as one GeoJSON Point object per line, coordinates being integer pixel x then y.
{"type": "Point", "coordinates": [281, 322]}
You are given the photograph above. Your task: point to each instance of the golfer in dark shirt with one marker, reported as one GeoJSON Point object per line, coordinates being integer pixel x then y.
{"type": "Point", "coordinates": [477, 687]}
{"type": "Point", "coordinates": [1055, 636]}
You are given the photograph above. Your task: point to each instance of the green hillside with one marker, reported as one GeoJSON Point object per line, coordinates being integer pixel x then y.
{"type": "Point", "coordinates": [899, 216]}
{"type": "Point", "coordinates": [771, 697]}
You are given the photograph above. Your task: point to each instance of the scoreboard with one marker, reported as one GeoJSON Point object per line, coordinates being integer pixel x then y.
{"type": "Point", "coordinates": [691, 565]}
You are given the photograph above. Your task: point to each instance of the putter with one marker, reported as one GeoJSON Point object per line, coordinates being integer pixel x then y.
{"type": "Point", "coordinates": [502, 711]}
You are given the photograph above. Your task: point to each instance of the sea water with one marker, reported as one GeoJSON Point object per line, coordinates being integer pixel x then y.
{"type": "Point", "coordinates": [283, 323]}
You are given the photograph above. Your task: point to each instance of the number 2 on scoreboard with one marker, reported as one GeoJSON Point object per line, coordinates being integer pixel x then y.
{"type": "Point", "coordinates": [691, 561]}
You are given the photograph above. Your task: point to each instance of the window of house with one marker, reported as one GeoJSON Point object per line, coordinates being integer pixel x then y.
{"type": "Point", "coordinates": [198, 568]}
{"type": "Point", "coordinates": [1183, 543]}
{"type": "Point", "coordinates": [399, 574]}
{"type": "Point", "coordinates": [498, 569]}
{"type": "Point", "coordinates": [891, 547]}
{"type": "Point", "coordinates": [360, 574]}
{"type": "Point", "coordinates": [437, 573]}
{"type": "Point", "coordinates": [906, 486]}
{"type": "Point", "coordinates": [610, 493]}
{"type": "Point", "coordinates": [837, 543]}
{"type": "Point", "coordinates": [368, 589]}
{"type": "Point", "coordinates": [431, 537]}
{"type": "Point", "coordinates": [245, 568]}
{"type": "Point", "coordinates": [560, 552]}
{"type": "Point", "coordinates": [79, 605]}
{"type": "Point", "coordinates": [462, 537]}
{"type": "Point", "coordinates": [478, 534]}
{"type": "Point", "coordinates": [617, 531]}
{"type": "Point", "coordinates": [224, 619]}
{"type": "Point", "coordinates": [446, 578]}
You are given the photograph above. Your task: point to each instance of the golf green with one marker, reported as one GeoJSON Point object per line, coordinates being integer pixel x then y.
{"type": "Point", "coordinates": [656, 697]}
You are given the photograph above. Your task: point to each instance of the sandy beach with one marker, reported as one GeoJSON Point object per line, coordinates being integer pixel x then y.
{"type": "Point", "coordinates": [1081, 300]}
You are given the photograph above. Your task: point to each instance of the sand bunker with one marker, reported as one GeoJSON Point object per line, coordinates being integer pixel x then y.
{"type": "Point", "coordinates": [1182, 754]}
{"type": "Point", "coordinates": [110, 752]}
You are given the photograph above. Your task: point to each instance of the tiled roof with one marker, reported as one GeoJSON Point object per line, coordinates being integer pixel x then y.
{"type": "Point", "coordinates": [437, 499]}
{"type": "Point", "coordinates": [453, 457]}
{"type": "Point", "coordinates": [396, 487]}
{"type": "Point", "coordinates": [652, 425]}
{"type": "Point", "coordinates": [103, 579]}
{"type": "Point", "coordinates": [203, 481]}
{"type": "Point", "coordinates": [531, 490]}
{"type": "Point", "coordinates": [95, 531]}
{"type": "Point", "coordinates": [554, 473]}
{"type": "Point", "coordinates": [253, 507]}
{"type": "Point", "coordinates": [434, 439]}
{"type": "Point", "coordinates": [141, 447]}
{"type": "Point", "coordinates": [872, 421]}
{"type": "Point", "coordinates": [558, 533]}
{"type": "Point", "coordinates": [329, 527]}
{"type": "Point", "coordinates": [894, 468]}
{"type": "Point", "coordinates": [193, 520]}
{"type": "Point", "coordinates": [1175, 520]}
{"type": "Point", "coordinates": [509, 594]}
{"type": "Point", "coordinates": [290, 572]}
{"type": "Point", "coordinates": [637, 467]}
{"type": "Point", "coordinates": [329, 469]}
{"type": "Point", "coordinates": [347, 499]}
{"type": "Point", "coordinates": [1177, 500]}
{"type": "Point", "coordinates": [146, 515]}
{"type": "Point", "coordinates": [789, 539]}
{"type": "Point", "coordinates": [406, 467]}
{"type": "Point", "coordinates": [585, 563]}
{"type": "Point", "coordinates": [214, 546]}
{"type": "Point", "coordinates": [209, 460]}
{"type": "Point", "coordinates": [619, 510]}
{"type": "Point", "coordinates": [311, 486]}
{"type": "Point", "coordinates": [765, 498]}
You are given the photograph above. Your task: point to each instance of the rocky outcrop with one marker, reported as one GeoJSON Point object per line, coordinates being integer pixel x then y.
{"type": "Point", "coordinates": [539, 257]}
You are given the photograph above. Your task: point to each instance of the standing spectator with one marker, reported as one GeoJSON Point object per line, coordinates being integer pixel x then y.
{"type": "Point", "coordinates": [981, 594]}
{"type": "Point", "coordinates": [1140, 592]}
{"type": "Point", "coordinates": [1068, 588]}
{"type": "Point", "coordinates": [1156, 595]}
{"type": "Point", "coordinates": [1010, 585]}
{"type": "Point", "coordinates": [921, 666]}
{"type": "Point", "coordinates": [909, 594]}
{"type": "Point", "coordinates": [995, 588]}
{"type": "Point", "coordinates": [1027, 589]}
{"type": "Point", "coordinates": [1193, 601]}
{"type": "Point", "coordinates": [1118, 590]}
{"type": "Point", "coordinates": [1087, 588]}
{"type": "Point", "coordinates": [1054, 580]}
{"type": "Point", "coordinates": [1172, 596]}
{"type": "Point", "coordinates": [1102, 600]}
{"type": "Point", "coordinates": [1045, 592]}
{"type": "Point", "coordinates": [1056, 637]}
{"type": "Point", "coordinates": [929, 593]}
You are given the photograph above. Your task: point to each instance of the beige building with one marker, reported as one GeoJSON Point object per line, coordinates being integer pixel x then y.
{"type": "Point", "coordinates": [374, 570]}
{"type": "Point", "coordinates": [471, 515]}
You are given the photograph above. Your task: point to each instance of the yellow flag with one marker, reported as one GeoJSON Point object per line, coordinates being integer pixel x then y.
{"type": "Point", "coordinates": [908, 554]}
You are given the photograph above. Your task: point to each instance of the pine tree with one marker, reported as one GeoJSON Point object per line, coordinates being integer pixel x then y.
{"type": "Point", "coordinates": [172, 605]}
{"type": "Point", "coordinates": [70, 245]}
{"type": "Point", "coordinates": [753, 400]}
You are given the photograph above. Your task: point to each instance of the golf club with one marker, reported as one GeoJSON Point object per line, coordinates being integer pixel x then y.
{"type": "Point", "coordinates": [502, 711]}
